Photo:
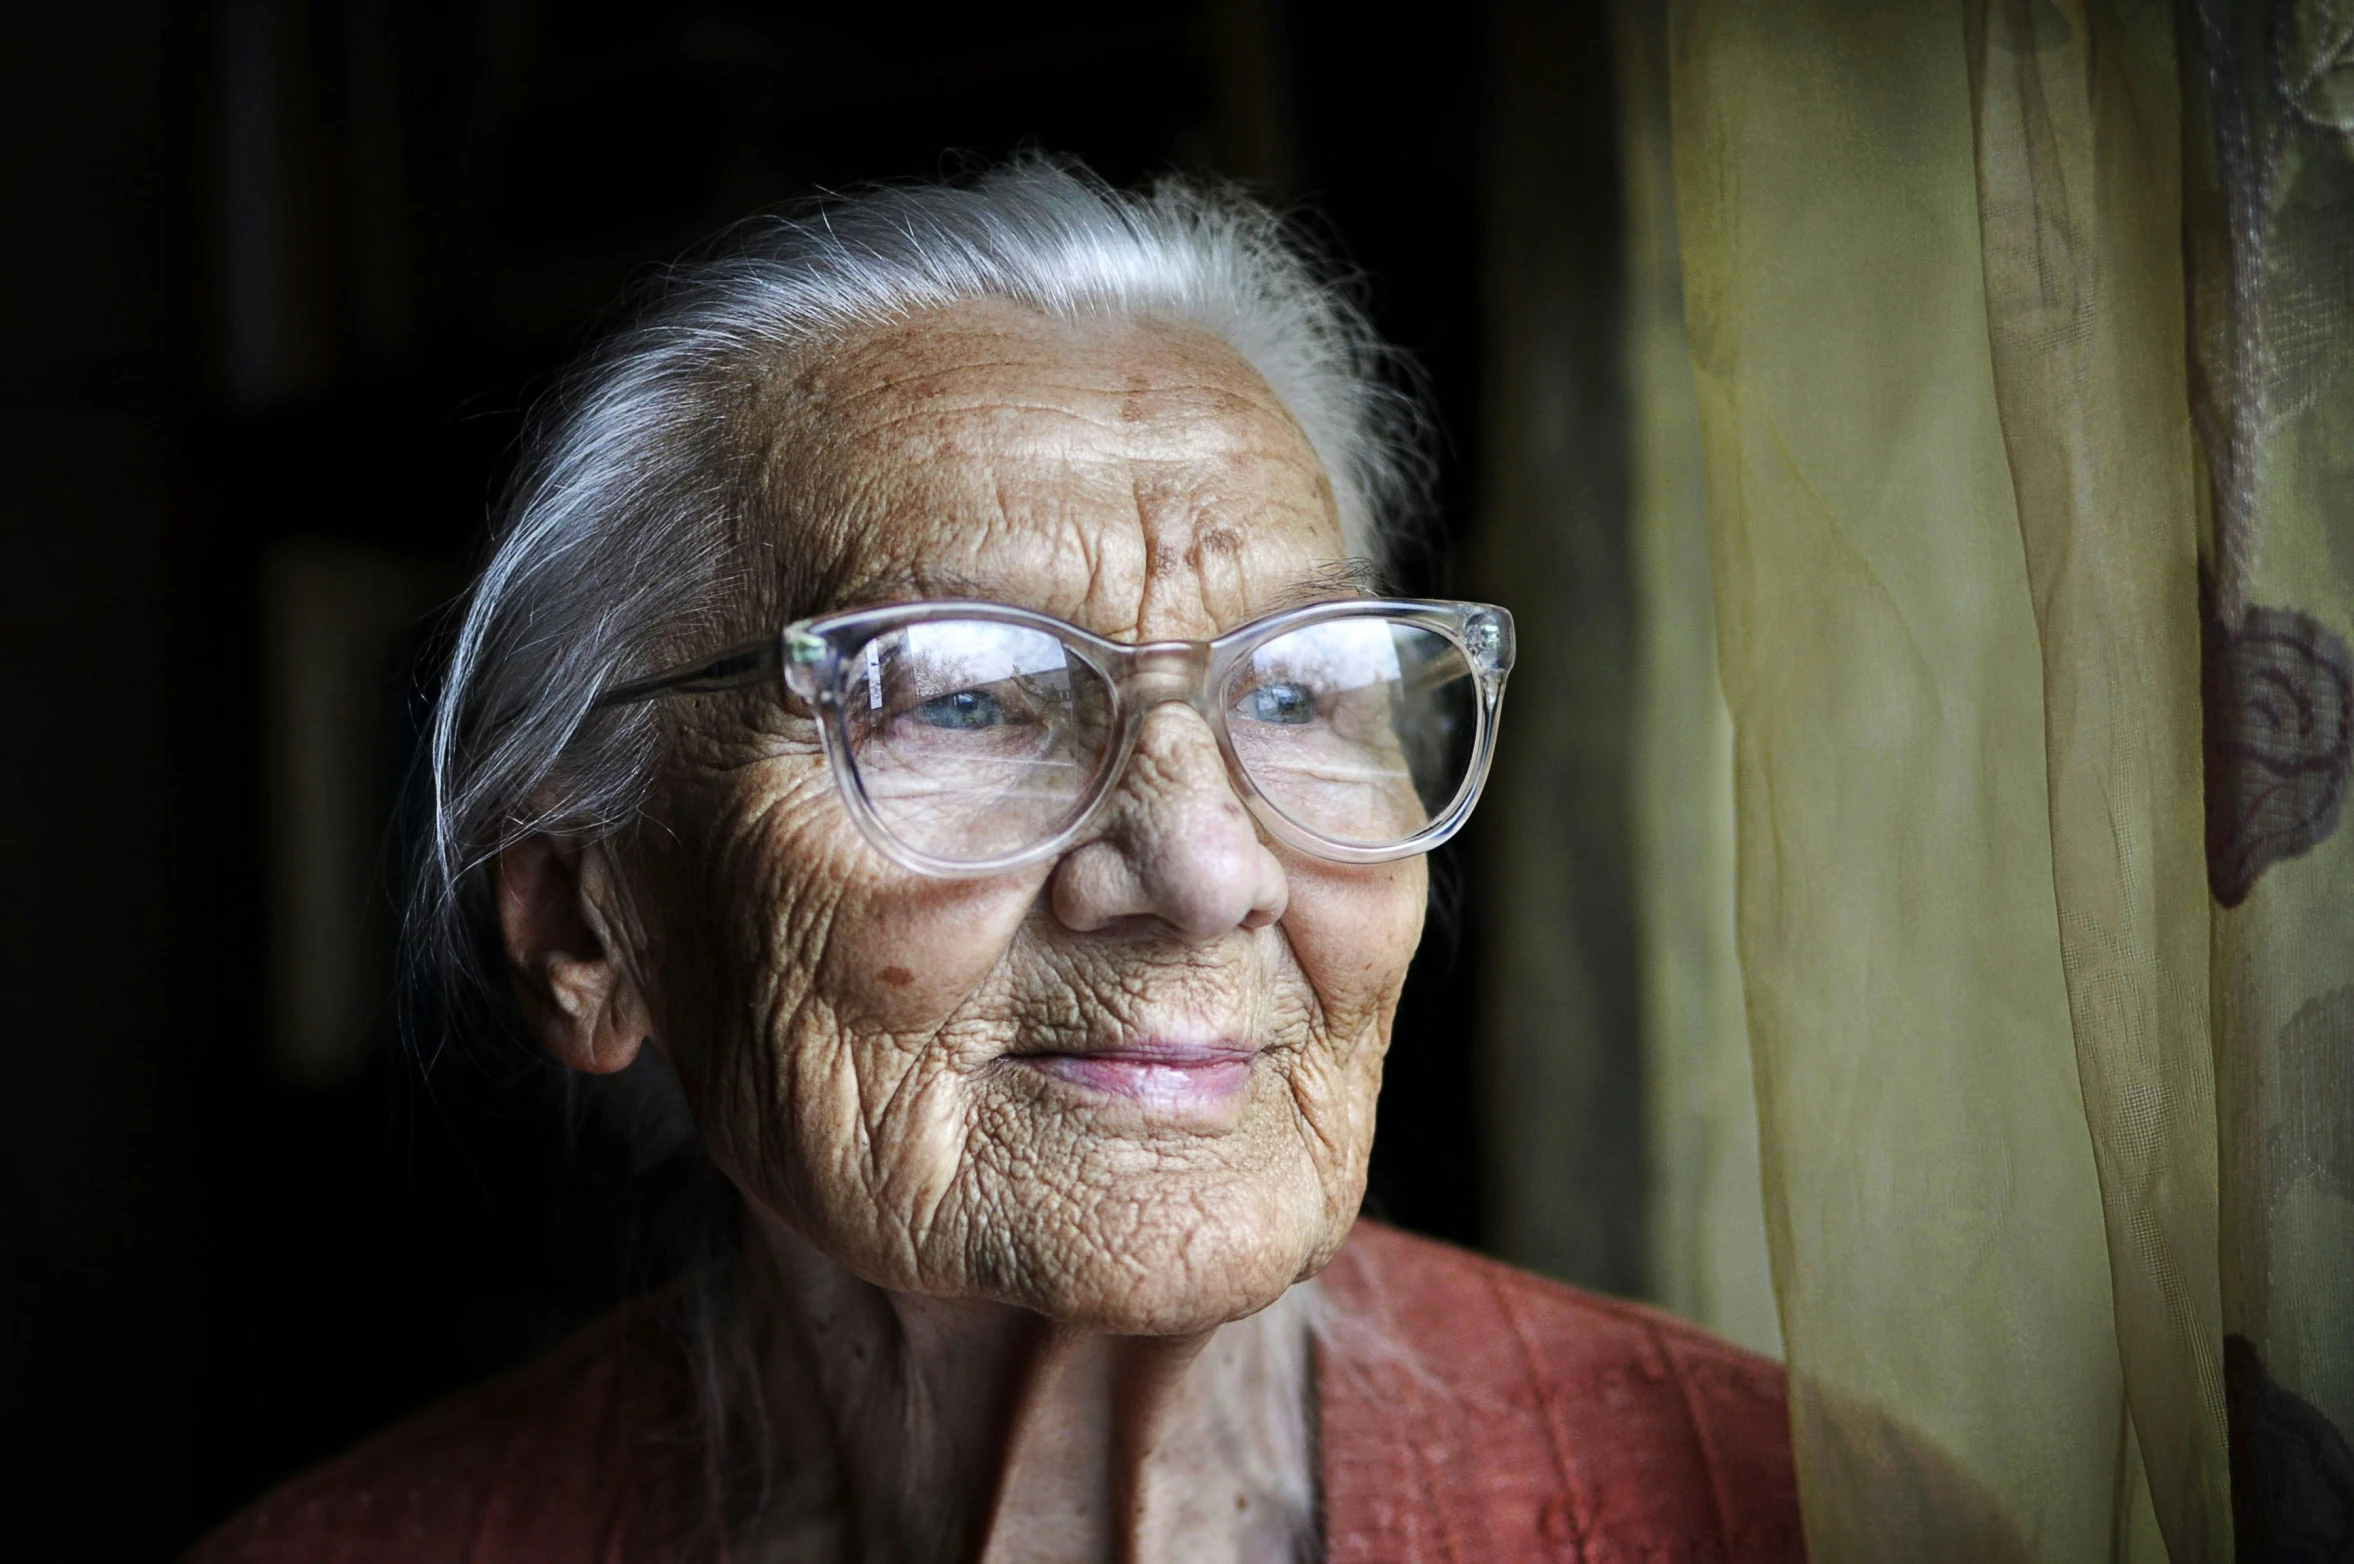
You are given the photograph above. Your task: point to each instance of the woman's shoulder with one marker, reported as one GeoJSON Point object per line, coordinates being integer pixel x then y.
{"type": "Point", "coordinates": [1471, 1410]}
{"type": "Point", "coordinates": [583, 1452]}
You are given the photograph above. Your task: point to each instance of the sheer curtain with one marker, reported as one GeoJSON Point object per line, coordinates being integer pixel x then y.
{"type": "Point", "coordinates": [1705, 1223]}
{"type": "Point", "coordinates": [1621, 1132]}
{"type": "Point", "coordinates": [2026, 412]}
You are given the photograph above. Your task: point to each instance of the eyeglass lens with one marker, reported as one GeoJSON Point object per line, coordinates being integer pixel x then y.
{"type": "Point", "coordinates": [1359, 730]}
{"type": "Point", "coordinates": [975, 739]}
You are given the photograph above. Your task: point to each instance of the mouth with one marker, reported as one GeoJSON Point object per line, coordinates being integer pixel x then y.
{"type": "Point", "coordinates": [1181, 1079]}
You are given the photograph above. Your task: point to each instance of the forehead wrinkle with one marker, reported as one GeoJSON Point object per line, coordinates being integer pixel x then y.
{"type": "Point", "coordinates": [876, 367]}
{"type": "Point", "coordinates": [1196, 421]}
{"type": "Point", "coordinates": [1063, 451]}
{"type": "Point", "coordinates": [1027, 429]}
{"type": "Point", "coordinates": [1190, 392]}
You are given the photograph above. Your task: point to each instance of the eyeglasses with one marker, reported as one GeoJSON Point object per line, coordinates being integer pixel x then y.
{"type": "Point", "coordinates": [972, 738]}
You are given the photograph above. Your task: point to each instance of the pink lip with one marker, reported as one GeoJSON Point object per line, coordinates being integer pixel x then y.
{"type": "Point", "coordinates": [1170, 1077]}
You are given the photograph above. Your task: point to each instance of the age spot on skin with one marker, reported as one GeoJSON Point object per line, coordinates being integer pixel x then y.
{"type": "Point", "coordinates": [898, 977]}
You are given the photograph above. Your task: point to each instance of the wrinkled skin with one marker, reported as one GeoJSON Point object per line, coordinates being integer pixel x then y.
{"type": "Point", "coordinates": [851, 1035]}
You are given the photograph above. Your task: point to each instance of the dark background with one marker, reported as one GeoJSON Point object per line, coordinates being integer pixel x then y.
{"type": "Point", "coordinates": [288, 271]}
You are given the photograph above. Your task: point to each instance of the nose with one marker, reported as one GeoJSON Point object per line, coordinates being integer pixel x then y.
{"type": "Point", "coordinates": [1176, 844]}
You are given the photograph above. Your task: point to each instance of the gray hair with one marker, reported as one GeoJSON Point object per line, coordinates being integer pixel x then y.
{"type": "Point", "coordinates": [612, 545]}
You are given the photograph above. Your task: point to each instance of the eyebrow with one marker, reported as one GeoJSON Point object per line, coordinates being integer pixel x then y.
{"type": "Point", "coordinates": [1340, 580]}
{"type": "Point", "coordinates": [1335, 582]}
{"type": "Point", "coordinates": [913, 586]}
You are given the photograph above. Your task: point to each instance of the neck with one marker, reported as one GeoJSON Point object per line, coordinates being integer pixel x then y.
{"type": "Point", "coordinates": [925, 1428]}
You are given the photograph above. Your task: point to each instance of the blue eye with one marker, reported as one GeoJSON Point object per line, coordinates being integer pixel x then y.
{"type": "Point", "coordinates": [964, 709]}
{"type": "Point", "coordinates": [1287, 704]}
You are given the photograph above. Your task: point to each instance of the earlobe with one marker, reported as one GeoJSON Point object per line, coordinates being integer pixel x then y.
{"type": "Point", "coordinates": [576, 992]}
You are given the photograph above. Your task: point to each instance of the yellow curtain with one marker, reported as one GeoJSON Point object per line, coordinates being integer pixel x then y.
{"type": "Point", "coordinates": [1621, 1132]}
{"type": "Point", "coordinates": [1704, 1217]}
{"type": "Point", "coordinates": [1932, 1198]}
{"type": "Point", "coordinates": [2026, 400]}
{"type": "Point", "coordinates": [2078, 150]}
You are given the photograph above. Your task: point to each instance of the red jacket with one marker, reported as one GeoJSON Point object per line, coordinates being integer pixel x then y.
{"type": "Point", "coordinates": [1471, 1414]}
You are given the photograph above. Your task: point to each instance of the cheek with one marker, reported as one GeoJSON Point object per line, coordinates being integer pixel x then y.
{"type": "Point", "coordinates": [1353, 929]}
{"type": "Point", "coordinates": [776, 912]}
{"type": "Point", "coordinates": [904, 953]}
{"type": "Point", "coordinates": [850, 935]}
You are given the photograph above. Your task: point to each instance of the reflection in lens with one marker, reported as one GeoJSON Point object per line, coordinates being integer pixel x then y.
{"type": "Point", "coordinates": [1359, 729]}
{"type": "Point", "coordinates": [974, 739]}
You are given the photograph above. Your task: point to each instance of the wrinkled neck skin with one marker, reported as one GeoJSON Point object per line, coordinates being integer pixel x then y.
{"type": "Point", "coordinates": [912, 1428]}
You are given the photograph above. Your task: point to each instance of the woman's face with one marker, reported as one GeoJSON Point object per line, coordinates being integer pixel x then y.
{"type": "Point", "coordinates": [1132, 1088]}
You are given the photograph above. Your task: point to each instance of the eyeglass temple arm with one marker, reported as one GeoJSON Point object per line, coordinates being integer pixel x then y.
{"type": "Point", "coordinates": [737, 668]}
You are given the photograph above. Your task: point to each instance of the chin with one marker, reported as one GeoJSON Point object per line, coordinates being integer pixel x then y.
{"type": "Point", "coordinates": [1178, 1259]}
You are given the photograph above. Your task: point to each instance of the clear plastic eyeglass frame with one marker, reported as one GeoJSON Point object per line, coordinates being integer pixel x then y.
{"type": "Point", "coordinates": [819, 658]}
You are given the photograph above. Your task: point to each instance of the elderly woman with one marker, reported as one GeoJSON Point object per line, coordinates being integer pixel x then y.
{"type": "Point", "coordinates": [928, 694]}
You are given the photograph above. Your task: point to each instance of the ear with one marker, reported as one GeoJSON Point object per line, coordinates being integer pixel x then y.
{"type": "Point", "coordinates": [578, 997]}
